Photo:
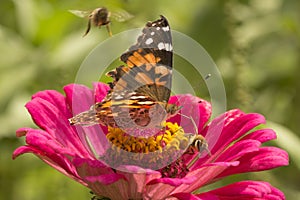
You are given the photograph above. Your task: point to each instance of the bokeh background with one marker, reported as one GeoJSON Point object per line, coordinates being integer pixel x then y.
{"type": "Point", "coordinates": [255, 44]}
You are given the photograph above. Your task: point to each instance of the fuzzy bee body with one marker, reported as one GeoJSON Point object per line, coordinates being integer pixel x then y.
{"type": "Point", "coordinates": [199, 145]}
{"type": "Point", "coordinates": [101, 17]}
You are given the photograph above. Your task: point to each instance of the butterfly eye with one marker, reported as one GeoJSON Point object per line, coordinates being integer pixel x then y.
{"type": "Point", "coordinates": [173, 109]}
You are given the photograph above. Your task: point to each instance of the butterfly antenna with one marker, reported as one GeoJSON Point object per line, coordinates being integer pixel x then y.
{"type": "Point", "coordinates": [178, 100]}
{"type": "Point", "coordinates": [192, 121]}
{"type": "Point", "coordinates": [178, 113]}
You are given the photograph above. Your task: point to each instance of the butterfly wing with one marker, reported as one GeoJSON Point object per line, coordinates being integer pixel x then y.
{"type": "Point", "coordinates": [148, 67]}
{"type": "Point", "coordinates": [143, 82]}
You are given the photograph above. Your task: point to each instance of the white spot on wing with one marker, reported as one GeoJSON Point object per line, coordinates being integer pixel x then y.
{"type": "Point", "coordinates": [152, 33]}
{"type": "Point", "coordinates": [161, 46]}
{"type": "Point", "coordinates": [145, 102]}
{"type": "Point", "coordinates": [168, 47]}
{"type": "Point", "coordinates": [149, 41]}
{"type": "Point", "coordinates": [158, 28]}
{"type": "Point", "coordinates": [137, 97]}
{"type": "Point", "coordinates": [167, 28]}
{"type": "Point", "coordinates": [118, 97]}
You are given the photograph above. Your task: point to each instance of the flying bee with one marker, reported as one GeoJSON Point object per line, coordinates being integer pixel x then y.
{"type": "Point", "coordinates": [101, 17]}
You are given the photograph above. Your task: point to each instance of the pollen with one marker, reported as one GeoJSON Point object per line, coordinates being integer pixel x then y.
{"type": "Point", "coordinates": [157, 149]}
{"type": "Point", "coordinates": [170, 135]}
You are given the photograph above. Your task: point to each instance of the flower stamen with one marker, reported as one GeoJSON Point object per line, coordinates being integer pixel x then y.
{"type": "Point", "coordinates": [170, 135]}
{"type": "Point", "coordinates": [164, 147]}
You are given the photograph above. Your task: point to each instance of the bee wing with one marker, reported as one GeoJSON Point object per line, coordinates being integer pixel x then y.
{"type": "Point", "coordinates": [80, 13]}
{"type": "Point", "coordinates": [121, 15]}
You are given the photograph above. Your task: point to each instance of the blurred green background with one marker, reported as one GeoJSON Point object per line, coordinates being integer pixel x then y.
{"type": "Point", "coordinates": [255, 44]}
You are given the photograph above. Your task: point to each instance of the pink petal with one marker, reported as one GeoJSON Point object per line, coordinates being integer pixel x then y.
{"type": "Point", "coordinates": [262, 135]}
{"type": "Point", "coordinates": [204, 175]}
{"type": "Point", "coordinates": [87, 167]}
{"type": "Point", "coordinates": [54, 98]}
{"type": "Point", "coordinates": [189, 196]}
{"type": "Point", "coordinates": [25, 149]}
{"type": "Point", "coordinates": [224, 164]}
{"type": "Point", "coordinates": [22, 131]}
{"type": "Point", "coordinates": [137, 183]}
{"type": "Point", "coordinates": [102, 179]}
{"type": "Point", "coordinates": [79, 98]}
{"type": "Point", "coordinates": [59, 163]}
{"type": "Point", "coordinates": [138, 179]}
{"type": "Point", "coordinates": [100, 91]}
{"type": "Point", "coordinates": [227, 128]}
{"type": "Point", "coordinates": [85, 162]}
{"type": "Point", "coordinates": [173, 181]}
{"type": "Point", "coordinates": [239, 149]}
{"type": "Point", "coordinates": [231, 154]}
{"type": "Point", "coordinates": [93, 138]}
{"type": "Point", "coordinates": [114, 191]}
{"type": "Point", "coordinates": [105, 179]}
{"type": "Point", "coordinates": [264, 159]}
{"type": "Point", "coordinates": [193, 108]}
{"type": "Point", "coordinates": [49, 148]}
{"type": "Point", "coordinates": [51, 119]}
{"type": "Point", "coordinates": [160, 188]}
{"type": "Point", "coordinates": [245, 190]}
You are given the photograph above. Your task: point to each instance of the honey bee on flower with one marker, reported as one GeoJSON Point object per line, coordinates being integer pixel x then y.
{"type": "Point", "coordinates": [199, 145]}
{"type": "Point", "coordinates": [101, 17]}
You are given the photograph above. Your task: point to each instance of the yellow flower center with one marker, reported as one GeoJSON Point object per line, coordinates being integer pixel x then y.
{"type": "Point", "coordinates": [158, 150]}
{"type": "Point", "coordinates": [171, 136]}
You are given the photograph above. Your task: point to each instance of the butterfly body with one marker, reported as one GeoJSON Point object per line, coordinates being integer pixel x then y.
{"type": "Point", "coordinates": [127, 110]}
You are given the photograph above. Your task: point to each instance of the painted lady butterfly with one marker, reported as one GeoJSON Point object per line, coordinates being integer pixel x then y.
{"type": "Point", "coordinates": [141, 89]}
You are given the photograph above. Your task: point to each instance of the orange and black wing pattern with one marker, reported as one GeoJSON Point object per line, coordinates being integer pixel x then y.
{"type": "Point", "coordinates": [144, 82]}
{"type": "Point", "coordinates": [148, 68]}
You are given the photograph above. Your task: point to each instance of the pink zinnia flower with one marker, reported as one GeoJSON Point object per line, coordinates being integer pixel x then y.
{"type": "Point", "coordinates": [76, 151]}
